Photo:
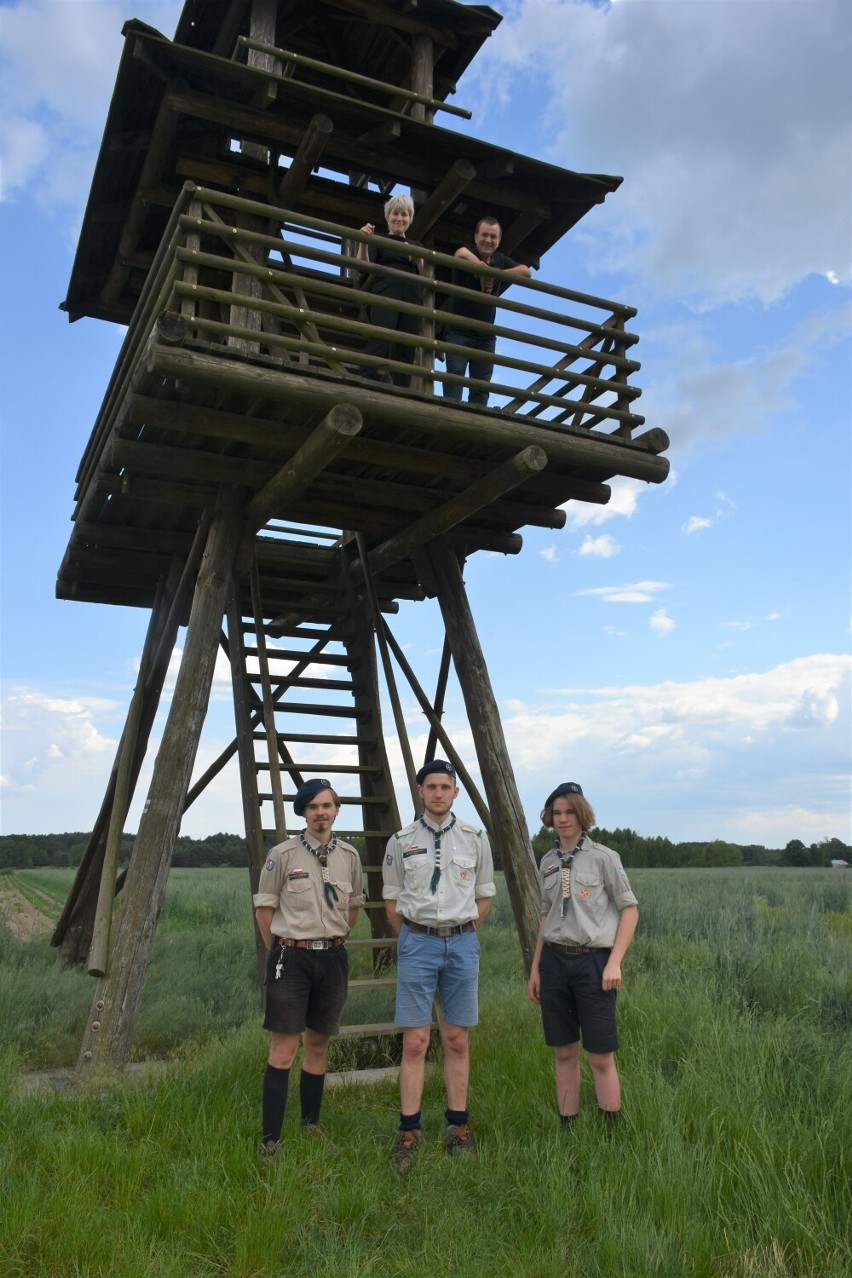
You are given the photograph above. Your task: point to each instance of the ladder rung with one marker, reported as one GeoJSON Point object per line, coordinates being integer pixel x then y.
{"type": "Point", "coordinates": [316, 658]}
{"type": "Point", "coordinates": [322, 768]}
{"type": "Point", "coordinates": [315, 738]}
{"type": "Point", "coordinates": [369, 1031]}
{"type": "Point", "coordinates": [374, 983]}
{"type": "Point", "coordinates": [333, 685]}
{"type": "Point", "coordinates": [359, 799]}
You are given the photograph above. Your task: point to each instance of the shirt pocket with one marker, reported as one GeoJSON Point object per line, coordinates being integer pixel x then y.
{"type": "Point", "coordinates": [463, 869]}
{"type": "Point", "coordinates": [415, 869]}
{"type": "Point", "coordinates": [587, 885]}
{"type": "Point", "coordinates": [298, 885]}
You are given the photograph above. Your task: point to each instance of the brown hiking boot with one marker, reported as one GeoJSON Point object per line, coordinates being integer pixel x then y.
{"type": "Point", "coordinates": [405, 1147]}
{"type": "Point", "coordinates": [459, 1140]}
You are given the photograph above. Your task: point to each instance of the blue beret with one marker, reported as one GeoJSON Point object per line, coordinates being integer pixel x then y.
{"type": "Point", "coordinates": [567, 787]}
{"type": "Point", "coordinates": [308, 791]}
{"type": "Point", "coordinates": [437, 765]}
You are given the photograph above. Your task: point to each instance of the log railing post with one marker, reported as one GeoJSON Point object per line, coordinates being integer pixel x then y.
{"type": "Point", "coordinates": [511, 836]}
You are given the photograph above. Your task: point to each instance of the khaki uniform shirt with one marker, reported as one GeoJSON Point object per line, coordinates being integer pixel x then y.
{"type": "Point", "coordinates": [291, 882]}
{"type": "Point", "coordinates": [467, 873]}
{"type": "Point", "coordinates": [599, 892]}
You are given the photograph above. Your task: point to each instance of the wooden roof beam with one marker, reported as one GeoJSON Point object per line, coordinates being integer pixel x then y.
{"type": "Point", "coordinates": [460, 174]}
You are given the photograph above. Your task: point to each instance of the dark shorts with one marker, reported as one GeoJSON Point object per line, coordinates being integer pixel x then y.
{"type": "Point", "coordinates": [573, 1004]}
{"type": "Point", "coordinates": [310, 991]}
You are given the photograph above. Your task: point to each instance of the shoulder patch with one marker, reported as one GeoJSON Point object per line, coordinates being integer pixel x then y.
{"type": "Point", "coordinates": [270, 864]}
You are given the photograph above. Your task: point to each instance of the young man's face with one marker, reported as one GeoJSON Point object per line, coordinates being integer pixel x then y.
{"type": "Point", "coordinates": [320, 815]}
{"type": "Point", "coordinates": [487, 238]}
{"type": "Point", "coordinates": [438, 792]}
{"type": "Point", "coordinates": [566, 823]}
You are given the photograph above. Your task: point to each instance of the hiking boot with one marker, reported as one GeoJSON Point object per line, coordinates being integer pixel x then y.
{"type": "Point", "coordinates": [405, 1147]}
{"type": "Point", "coordinates": [269, 1149]}
{"type": "Point", "coordinates": [459, 1140]}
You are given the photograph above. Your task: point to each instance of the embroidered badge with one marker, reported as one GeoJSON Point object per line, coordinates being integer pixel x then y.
{"type": "Point", "coordinates": [414, 850]}
{"type": "Point", "coordinates": [298, 874]}
{"type": "Point", "coordinates": [585, 894]}
{"type": "Point", "coordinates": [554, 869]}
{"type": "Point", "coordinates": [464, 875]}
{"type": "Point", "coordinates": [389, 859]}
{"type": "Point", "coordinates": [622, 871]}
{"type": "Point", "coordinates": [270, 864]}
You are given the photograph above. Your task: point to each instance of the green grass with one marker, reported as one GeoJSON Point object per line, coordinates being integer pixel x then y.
{"type": "Point", "coordinates": [732, 1159]}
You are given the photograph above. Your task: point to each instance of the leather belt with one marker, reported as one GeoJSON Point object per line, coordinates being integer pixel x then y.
{"type": "Point", "coordinates": [329, 943]}
{"type": "Point", "coordinates": [565, 947]}
{"type": "Point", "coordinates": [448, 929]}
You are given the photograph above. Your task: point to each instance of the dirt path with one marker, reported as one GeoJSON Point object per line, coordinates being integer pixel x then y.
{"type": "Point", "coordinates": [21, 917]}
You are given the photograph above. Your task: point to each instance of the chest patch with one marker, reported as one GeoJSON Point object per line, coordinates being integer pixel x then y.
{"type": "Point", "coordinates": [298, 874]}
{"type": "Point", "coordinates": [414, 850]}
{"type": "Point", "coordinates": [554, 869]}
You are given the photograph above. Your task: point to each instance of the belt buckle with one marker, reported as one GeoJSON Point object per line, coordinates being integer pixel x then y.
{"type": "Point", "coordinates": [317, 945]}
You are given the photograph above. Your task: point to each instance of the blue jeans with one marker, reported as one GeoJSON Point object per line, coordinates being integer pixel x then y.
{"type": "Point", "coordinates": [444, 965]}
{"type": "Point", "coordinates": [479, 368]}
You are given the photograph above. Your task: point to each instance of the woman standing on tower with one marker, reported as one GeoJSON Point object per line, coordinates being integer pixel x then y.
{"type": "Point", "coordinates": [588, 917]}
{"type": "Point", "coordinates": [399, 212]}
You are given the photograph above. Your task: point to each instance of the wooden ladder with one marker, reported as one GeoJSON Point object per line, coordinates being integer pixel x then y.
{"type": "Point", "coordinates": [311, 708]}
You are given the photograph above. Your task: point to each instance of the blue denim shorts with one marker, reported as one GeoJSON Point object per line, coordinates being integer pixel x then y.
{"type": "Point", "coordinates": [442, 966]}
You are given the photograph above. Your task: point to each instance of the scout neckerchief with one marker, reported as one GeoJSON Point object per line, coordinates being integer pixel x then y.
{"type": "Point", "coordinates": [566, 860]}
{"type": "Point", "coordinates": [437, 835]}
{"type": "Point", "coordinates": [329, 891]}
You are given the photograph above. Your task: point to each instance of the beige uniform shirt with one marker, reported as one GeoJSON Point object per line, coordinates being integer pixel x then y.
{"type": "Point", "coordinates": [467, 873]}
{"type": "Point", "coordinates": [291, 882]}
{"type": "Point", "coordinates": [599, 892]}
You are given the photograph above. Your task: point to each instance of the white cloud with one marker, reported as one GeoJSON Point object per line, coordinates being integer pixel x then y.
{"type": "Point", "coordinates": [603, 547]}
{"type": "Point", "coordinates": [636, 592]}
{"type": "Point", "coordinates": [713, 757]}
{"type": "Point", "coordinates": [661, 623]}
{"type": "Point", "coordinates": [696, 523]}
{"type": "Point", "coordinates": [58, 60]}
{"type": "Point", "coordinates": [550, 554]}
{"type": "Point", "coordinates": [732, 126]}
{"type": "Point", "coordinates": [623, 501]}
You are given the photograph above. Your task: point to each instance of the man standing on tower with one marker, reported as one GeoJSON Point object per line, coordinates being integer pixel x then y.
{"type": "Point", "coordinates": [478, 305]}
{"type": "Point", "coordinates": [438, 883]}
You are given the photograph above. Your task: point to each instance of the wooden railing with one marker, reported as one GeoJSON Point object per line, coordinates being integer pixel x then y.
{"type": "Point", "coordinates": [268, 284]}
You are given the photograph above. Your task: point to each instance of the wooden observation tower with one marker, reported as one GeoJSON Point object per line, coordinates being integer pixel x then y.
{"type": "Point", "coordinates": [248, 480]}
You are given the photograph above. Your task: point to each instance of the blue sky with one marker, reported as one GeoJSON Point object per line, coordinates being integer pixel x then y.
{"type": "Point", "coordinates": [684, 651]}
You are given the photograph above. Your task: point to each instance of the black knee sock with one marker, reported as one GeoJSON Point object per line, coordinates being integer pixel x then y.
{"type": "Point", "coordinates": [310, 1094]}
{"type": "Point", "coordinates": [274, 1102]}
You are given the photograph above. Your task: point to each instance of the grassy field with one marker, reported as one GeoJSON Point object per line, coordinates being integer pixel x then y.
{"type": "Point", "coordinates": [733, 1158]}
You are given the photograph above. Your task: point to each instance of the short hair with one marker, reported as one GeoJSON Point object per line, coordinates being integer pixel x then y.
{"type": "Point", "coordinates": [402, 202]}
{"type": "Point", "coordinates": [489, 220]}
{"type": "Point", "coordinates": [584, 810]}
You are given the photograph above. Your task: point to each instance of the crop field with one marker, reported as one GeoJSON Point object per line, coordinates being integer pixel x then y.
{"type": "Point", "coordinates": [732, 1159]}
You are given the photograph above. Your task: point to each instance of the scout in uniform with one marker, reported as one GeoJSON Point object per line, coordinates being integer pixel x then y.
{"type": "Point", "coordinates": [307, 902]}
{"type": "Point", "coordinates": [438, 882]}
{"type": "Point", "coordinates": [588, 918]}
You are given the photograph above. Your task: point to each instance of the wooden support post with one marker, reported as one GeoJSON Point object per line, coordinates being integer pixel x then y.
{"type": "Point", "coordinates": [393, 691]}
{"type": "Point", "coordinates": [459, 175]}
{"type": "Point", "coordinates": [511, 836]}
{"type": "Point", "coordinates": [290, 185]}
{"type": "Point", "coordinates": [245, 721]}
{"type": "Point", "coordinates": [438, 703]}
{"type": "Point", "coordinates": [106, 1042]}
{"type": "Point", "coordinates": [440, 732]}
{"type": "Point", "coordinates": [268, 708]}
{"type": "Point", "coordinates": [341, 424]}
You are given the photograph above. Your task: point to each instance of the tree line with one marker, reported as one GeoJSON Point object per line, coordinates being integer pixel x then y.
{"type": "Point", "coordinates": [28, 851]}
